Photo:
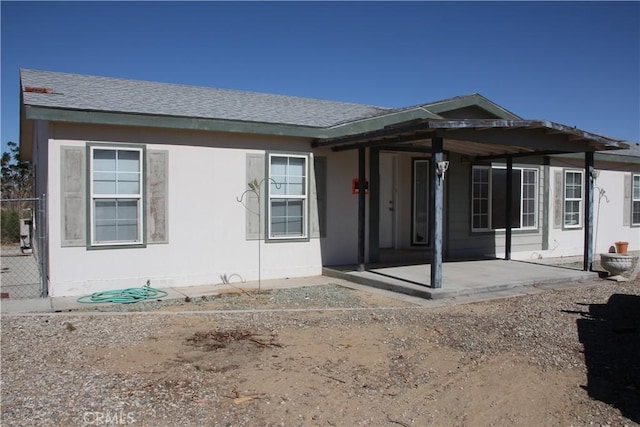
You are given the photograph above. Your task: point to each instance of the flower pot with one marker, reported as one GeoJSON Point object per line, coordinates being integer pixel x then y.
{"type": "Point", "coordinates": [616, 264]}
{"type": "Point", "coordinates": [622, 247]}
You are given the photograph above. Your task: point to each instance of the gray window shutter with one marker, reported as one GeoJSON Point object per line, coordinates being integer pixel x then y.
{"type": "Point", "coordinates": [626, 205]}
{"type": "Point", "coordinates": [157, 196]}
{"type": "Point", "coordinates": [318, 197]}
{"type": "Point", "coordinates": [557, 199]}
{"type": "Point", "coordinates": [73, 183]}
{"type": "Point", "coordinates": [254, 212]}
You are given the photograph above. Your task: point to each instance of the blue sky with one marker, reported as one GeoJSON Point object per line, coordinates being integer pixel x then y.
{"type": "Point", "coordinates": [570, 62]}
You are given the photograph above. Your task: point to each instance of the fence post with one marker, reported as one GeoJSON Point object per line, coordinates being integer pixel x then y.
{"type": "Point", "coordinates": [42, 245]}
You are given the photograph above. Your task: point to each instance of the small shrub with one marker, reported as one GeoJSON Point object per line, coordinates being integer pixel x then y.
{"type": "Point", "coordinates": [10, 226]}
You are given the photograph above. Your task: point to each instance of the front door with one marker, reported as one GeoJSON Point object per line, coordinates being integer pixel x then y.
{"type": "Point", "coordinates": [387, 200]}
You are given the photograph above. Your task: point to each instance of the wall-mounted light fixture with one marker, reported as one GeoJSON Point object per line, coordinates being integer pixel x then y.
{"type": "Point", "coordinates": [441, 167]}
{"type": "Point", "coordinates": [595, 174]}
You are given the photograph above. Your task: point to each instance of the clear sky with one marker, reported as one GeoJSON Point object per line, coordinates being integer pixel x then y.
{"type": "Point", "coordinates": [570, 62]}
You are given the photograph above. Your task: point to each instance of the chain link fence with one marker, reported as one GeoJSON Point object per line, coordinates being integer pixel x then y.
{"type": "Point", "coordinates": [23, 262]}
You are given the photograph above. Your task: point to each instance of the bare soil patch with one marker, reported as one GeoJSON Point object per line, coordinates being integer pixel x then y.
{"type": "Point", "coordinates": [555, 358]}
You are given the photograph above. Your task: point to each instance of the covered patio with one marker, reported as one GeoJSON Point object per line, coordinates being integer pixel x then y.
{"type": "Point", "coordinates": [477, 141]}
{"type": "Point", "coordinates": [462, 278]}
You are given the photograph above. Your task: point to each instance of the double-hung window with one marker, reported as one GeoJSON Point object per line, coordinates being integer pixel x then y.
{"type": "Point", "coordinates": [635, 202]}
{"type": "Point", "coordinates": [489, 198]}
{"type": "Point", "coordinates": [480, 195]}
{"type": "Point", "coordinates": [288, 196]}
{"type": "Point", "coordinates": [116, 195]}
{"type": "Point", "coordinates": [572, 199]}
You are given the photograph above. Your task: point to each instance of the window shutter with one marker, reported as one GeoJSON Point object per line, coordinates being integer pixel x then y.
{"type": "Point", "coordinates": [157, 196]}
{"type": "Point", "coordinates": [318, 197]}
{"type": "Point", "coordinates": [254, 213]}
{"type": "Point", "coordinates": [73, 196]}
{"type": "Point", "coordinates": [557, 199]}
{"type": "Point", "coordinates": [626, 204]}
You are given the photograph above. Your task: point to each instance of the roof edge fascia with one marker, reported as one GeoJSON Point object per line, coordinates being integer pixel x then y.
{"type": "Point", "coordinates": [377, 122]}
{"type": "Point", "coordinates": [176, 122]}
{"type": "Point", "coordinates": [221, 125]}
{"type": "Point", "coordinates": [469, 101]}
{"type": "Point", "coordinates": [609, 156]}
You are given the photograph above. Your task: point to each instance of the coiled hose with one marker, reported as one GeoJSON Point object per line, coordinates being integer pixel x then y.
{"type": "Point", "coordinates": [123, 296]}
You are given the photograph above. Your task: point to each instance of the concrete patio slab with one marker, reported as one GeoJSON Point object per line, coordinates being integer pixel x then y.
{"type": "Point", "coordinates": [460, 278]}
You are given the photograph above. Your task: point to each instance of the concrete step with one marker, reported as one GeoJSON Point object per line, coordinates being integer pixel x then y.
{"type": "Point", "coordinates": [374, 280]}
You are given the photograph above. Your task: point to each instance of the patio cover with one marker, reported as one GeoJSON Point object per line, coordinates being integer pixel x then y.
{"type": "Point", "coordinates": [480, 139]}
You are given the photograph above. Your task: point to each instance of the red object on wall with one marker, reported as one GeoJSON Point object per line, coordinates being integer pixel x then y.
{"type": "Point", "coordinates": [354, 186]}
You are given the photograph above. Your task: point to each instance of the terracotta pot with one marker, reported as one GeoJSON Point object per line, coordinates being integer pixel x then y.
{"type": "Point", "coordinates": [622, 247]}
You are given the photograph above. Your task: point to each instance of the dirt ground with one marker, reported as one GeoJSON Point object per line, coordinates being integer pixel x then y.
{"type": "Point", "coordinates": [555, 358]}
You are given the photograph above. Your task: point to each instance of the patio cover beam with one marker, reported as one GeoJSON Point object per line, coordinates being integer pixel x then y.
{"type": "Point", "coordinates": [533, 139]}
{"type": "Point", "coordinates": [401, 139]}
{"type": "Point", "coordinates": [525, 154]}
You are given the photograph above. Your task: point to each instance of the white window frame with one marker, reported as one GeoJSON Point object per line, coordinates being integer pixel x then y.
{"type": "Point", "coordinates": [486, 214]}
{"type": "Point", "coordinates": [489, 213]}
{"type": "Point", "coordinates": [273, 183]}
{"type": "Point", "coordinates": [136, 196]}
{"type": "Point", "coordinates": [566, 199]}
{"type": "Point", "coordinates": [523, 199]}
{"type": "Point", "coordinates": [635, 198]}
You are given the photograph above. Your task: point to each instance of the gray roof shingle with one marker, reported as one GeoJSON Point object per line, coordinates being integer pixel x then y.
{"type": "Point", "coordinates": [92, 93]}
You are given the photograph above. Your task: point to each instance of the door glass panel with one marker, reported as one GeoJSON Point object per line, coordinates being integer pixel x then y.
{"type": "Point", "coordinates": [420, 202]}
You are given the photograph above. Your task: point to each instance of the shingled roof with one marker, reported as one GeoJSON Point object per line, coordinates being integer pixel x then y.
{"type": "Point", "coordinates": [81, 98]}
{"type": "Point", "coordinates": [92, 93]}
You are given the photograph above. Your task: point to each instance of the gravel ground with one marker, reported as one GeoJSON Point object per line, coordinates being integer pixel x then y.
{"type": "Point", "coordinates": [74, 369]}
{"type": "Point", "coordinates": [323, 296]}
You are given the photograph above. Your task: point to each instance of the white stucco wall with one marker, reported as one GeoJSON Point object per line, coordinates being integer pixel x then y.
{"type": "Point", "coordinates": [207, 231]}
{"type": "Point", "coordinates": [608, 212]}
{"type": "Point", "coordinates": [340, 246]}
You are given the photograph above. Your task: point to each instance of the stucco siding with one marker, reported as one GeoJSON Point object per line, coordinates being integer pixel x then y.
{"type": "Point", "coordinates": [608, 216]}
{"type": "Point", "coordinates": [340, 246]}
{"type": "Point", "coordinates": [206, 224]}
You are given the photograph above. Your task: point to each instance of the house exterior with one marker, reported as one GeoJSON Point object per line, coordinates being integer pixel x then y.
{"type": "Point", "coordinates": [183, 186]}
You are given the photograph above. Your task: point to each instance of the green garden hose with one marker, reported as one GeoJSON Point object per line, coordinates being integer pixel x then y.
{"type": "Point", "coordinates": [123, 296]}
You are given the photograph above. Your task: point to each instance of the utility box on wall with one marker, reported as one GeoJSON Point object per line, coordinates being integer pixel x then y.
{"type": "Point", "coordinates": [355, 186]}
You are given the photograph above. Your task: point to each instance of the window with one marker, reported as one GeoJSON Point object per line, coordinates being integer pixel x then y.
{"type": "Point", "coordinates": [116, 195]}
{"type": "Point", "coordinates": [480, 196]}
{"type": "Point", "coordinates": [287, 217]}
{"type": "Point", "coordinates": [489, 198]}
{"type": "Point", "coordinates": [572, 199]}
{"type": "Point", "coordinates": [635, 202]}
{"type": "Point", "coordinates": [529, 192]}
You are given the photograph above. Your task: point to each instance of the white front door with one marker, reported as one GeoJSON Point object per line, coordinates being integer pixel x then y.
{"type": "Point", "coordinates": [387, 200]}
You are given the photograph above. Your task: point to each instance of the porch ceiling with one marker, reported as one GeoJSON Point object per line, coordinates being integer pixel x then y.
{"type": "Point", "coordinates": [480, 138]}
